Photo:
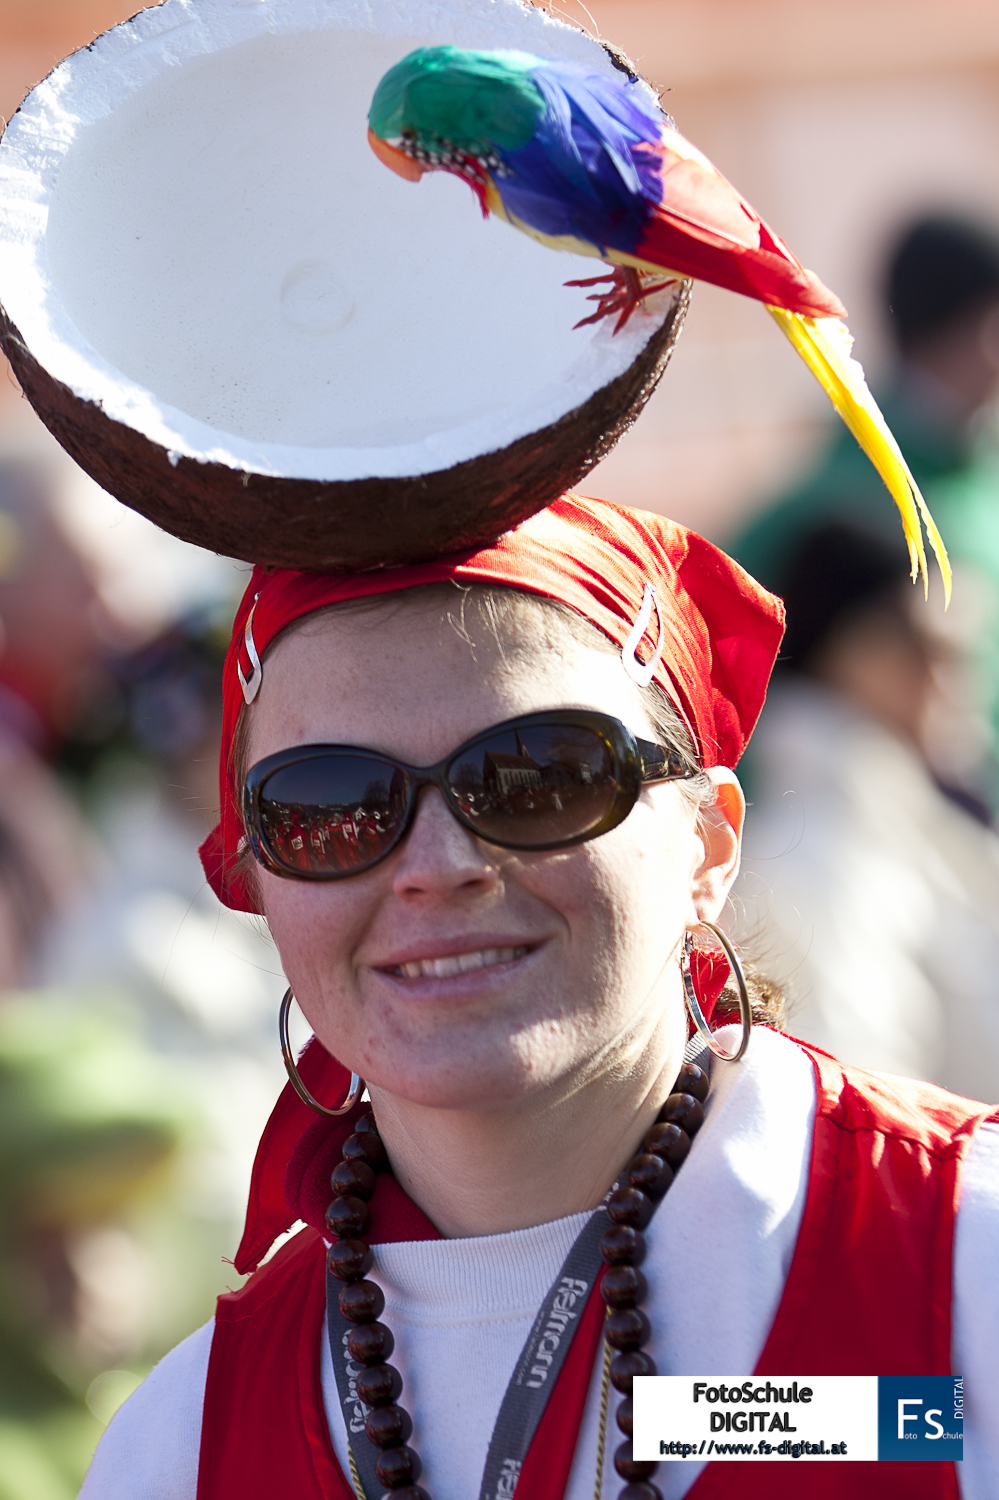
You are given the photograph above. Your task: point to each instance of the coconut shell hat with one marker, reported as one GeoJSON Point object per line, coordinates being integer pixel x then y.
{"type": "Point", "coordinates": [239, 323]}
{"type": "Point", "coordinates": [242, 325]}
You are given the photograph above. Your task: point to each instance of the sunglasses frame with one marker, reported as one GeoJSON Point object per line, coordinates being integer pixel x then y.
{"type": "Point", "coordinates": [637, 763]}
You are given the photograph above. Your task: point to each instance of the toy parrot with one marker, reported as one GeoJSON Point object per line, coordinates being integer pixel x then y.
{"type": "Point", "coordinates": [586, 162]}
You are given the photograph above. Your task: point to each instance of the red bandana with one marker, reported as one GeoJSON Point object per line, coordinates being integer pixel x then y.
{"type": "Point", "coordinates": [720, 630]}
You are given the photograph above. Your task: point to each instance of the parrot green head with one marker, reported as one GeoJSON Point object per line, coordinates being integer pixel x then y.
{"type": "Point", "coordinates": [442, 104]}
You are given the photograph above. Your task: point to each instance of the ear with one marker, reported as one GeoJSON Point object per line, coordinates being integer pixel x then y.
{"type": "Point", "coordinates": [720, 830]}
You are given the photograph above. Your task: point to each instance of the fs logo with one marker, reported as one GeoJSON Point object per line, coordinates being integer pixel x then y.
{"type": "Point", "coordinates": [921, 1416]}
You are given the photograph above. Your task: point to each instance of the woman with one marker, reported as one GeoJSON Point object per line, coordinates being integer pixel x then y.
{"type": "Point", "coordinates": [501, 950]}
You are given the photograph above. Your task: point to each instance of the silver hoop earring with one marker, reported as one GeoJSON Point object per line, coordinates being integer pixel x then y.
{"type": "Point", "coordinates": [356, 1083]}
{"type": "Point", "coordinates": [694, 1005]}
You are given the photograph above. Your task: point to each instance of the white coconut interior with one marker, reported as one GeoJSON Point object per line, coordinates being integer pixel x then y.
{"type": "Point", "coordinates": [194, 232]}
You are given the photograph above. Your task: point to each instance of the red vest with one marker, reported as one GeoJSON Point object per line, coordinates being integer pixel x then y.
{"type": "Point", "coordinates": [868, 1293]}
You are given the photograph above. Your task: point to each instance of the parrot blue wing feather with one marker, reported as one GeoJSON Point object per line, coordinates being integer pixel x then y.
{"type": "Point", "coordinates": [608, 110]}
{"type": "Point", "coordinates": [555, 134]}
{"type": "Point", "coordinates": [590, 170]}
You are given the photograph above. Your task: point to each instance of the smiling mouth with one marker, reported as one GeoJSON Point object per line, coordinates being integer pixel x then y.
{"type": "Point", "coordinates": [458, 963]}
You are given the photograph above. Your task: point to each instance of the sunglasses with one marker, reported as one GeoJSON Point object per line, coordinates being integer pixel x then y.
{"type": "Point", "coordinates": [543, 781]}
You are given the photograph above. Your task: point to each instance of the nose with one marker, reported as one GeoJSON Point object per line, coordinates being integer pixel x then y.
{"type": "Point", "coordinates": [439, 858]}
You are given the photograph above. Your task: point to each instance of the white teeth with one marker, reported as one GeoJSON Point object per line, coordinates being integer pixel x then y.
{"type": "Point", "coordinates": [459, 963]}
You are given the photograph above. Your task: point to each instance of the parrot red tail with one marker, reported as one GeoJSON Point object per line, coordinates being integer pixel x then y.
{"type": "Point", "coordinates": [701, 227]}
{"type": "Point", "coordinates": [766, 271]}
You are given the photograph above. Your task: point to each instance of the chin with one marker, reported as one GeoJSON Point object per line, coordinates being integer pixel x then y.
{"type": "Point", "coordinates": [487, 1076]}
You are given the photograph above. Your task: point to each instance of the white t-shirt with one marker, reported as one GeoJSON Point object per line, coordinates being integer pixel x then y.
{"type": "Point", "coordinates": [719, 1249]}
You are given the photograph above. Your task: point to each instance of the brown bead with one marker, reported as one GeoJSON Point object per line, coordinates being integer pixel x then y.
{"type": "Point", "coordinates": [626, 1416]}
{"type": "Point", "coordinates": [417, 1492]}
{"type": "Point", "coordinates": [370, 1343]}
{"type": "Point", "coordinates": [639, 1491]}
{"type": "Point", "coordinates": [669, 1142]}
{"type": "Point", "coordinates": [629, 1205]}
{"type": "Point", "coordinates": [683, 1110]}
{"type": "Point", "coordinates": [624, 1368]}
{"type": "Point", "coordinates": [632, 1468]}
{"type": "Point", "coordinates": [388, 1426]}
{"type": "Point", "coordinates": [653, 1174]}
{"type": "Point", "coordinates": [366, 1146]}
{"type": "Point", "coordinates": [623, 1286]}
{"type": "Point", "coordinates": [362, 1302]}
{"type": "Point", "coordinates": [627, 1329]}
{"type": "Point", "coordinates": [396, 1467]}
{"type": "Point", "coordinates": [621, 1245]}
{"type": "Point", "coordinates": [352, 1178]}
{"type": "Point", "coordinates": [693, 1080]}
{"type": "Point", "coordinates": [349, 1260]}
{"type": "Point", "coordinates": [365, 1124]}
{"type": "Point", "coordinates": [377, 1385]}
{"type": "Point", "coordinates": [346, 1218]}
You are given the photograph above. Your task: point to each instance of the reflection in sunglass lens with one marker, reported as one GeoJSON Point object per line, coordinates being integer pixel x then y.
{"type": "Point", "coordinates": [541, 784]}
{"type": "Point", "coordinates": [332, 813]}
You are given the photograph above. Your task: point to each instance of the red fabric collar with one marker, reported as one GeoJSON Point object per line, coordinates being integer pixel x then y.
{"type": "Point", "coordinates": [291, 1171]}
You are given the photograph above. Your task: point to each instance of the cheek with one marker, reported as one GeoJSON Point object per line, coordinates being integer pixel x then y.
{"type": "Point", "coordinates": [316, 927]}
{"type": "Point", "coordinates": [655, 862]}
{"type": "Point", "coordinates": [627, 893]}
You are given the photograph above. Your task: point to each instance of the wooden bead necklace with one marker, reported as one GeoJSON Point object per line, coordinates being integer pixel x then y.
{"type": "Point", "coordinates": [623, 1287]}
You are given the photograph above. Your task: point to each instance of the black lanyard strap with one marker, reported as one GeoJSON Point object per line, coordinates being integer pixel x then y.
{"type": "Point", "coordinates": [541, 1359]}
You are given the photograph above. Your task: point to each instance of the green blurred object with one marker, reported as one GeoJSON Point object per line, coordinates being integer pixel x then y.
{"type": "Point", "coordinates": [843, 486]}
{"type": "Point", "coordinates": [89, 1120]}
{"type": "Point", "coordinates": [46, 1459]}
{"type": "Point", "coordinates": [959, 476]}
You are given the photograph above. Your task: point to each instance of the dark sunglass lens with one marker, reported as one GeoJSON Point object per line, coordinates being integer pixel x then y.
{"type": "Point", "coordinates": [537, 785]}
{"type": "Point", "coordinates": [332, 813]}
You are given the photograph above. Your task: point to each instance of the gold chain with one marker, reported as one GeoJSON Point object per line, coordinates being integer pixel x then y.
{"type": "Point", "coordinates": [355, 1477]}
{"type": "Point", "coordinates": [602, 1430]}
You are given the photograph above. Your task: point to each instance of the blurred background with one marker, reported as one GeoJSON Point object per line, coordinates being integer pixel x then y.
{"type": "Point", "coordinates": [137, 1051]}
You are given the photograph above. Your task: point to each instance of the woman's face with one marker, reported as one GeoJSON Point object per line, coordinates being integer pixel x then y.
{"type": "Point", "coordinates": [456, 974]}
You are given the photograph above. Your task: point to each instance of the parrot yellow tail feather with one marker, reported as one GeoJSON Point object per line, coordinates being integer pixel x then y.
{"type": "Point", "coordinates": [825, 345]}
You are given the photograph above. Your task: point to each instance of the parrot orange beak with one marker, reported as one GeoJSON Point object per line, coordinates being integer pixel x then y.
{"type": "Point", "coordinates": [401, 164]}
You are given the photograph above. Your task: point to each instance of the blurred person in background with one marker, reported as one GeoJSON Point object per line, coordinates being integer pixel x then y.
{"type": "Point", "coordinates": [90, 1123]}
{"type": "Point", "coordinates": [878, 890]}
{"type": "Point", "coordinates": [941, 296]}
{"type": "Point", "coordinates": [50, 645]}
{"type": "Point", "coordinates": [88, 1118]}
{"type": "Point", "coordinates": [205, 983]}
{"type": "Point", "coordinates": [136, 1047]}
